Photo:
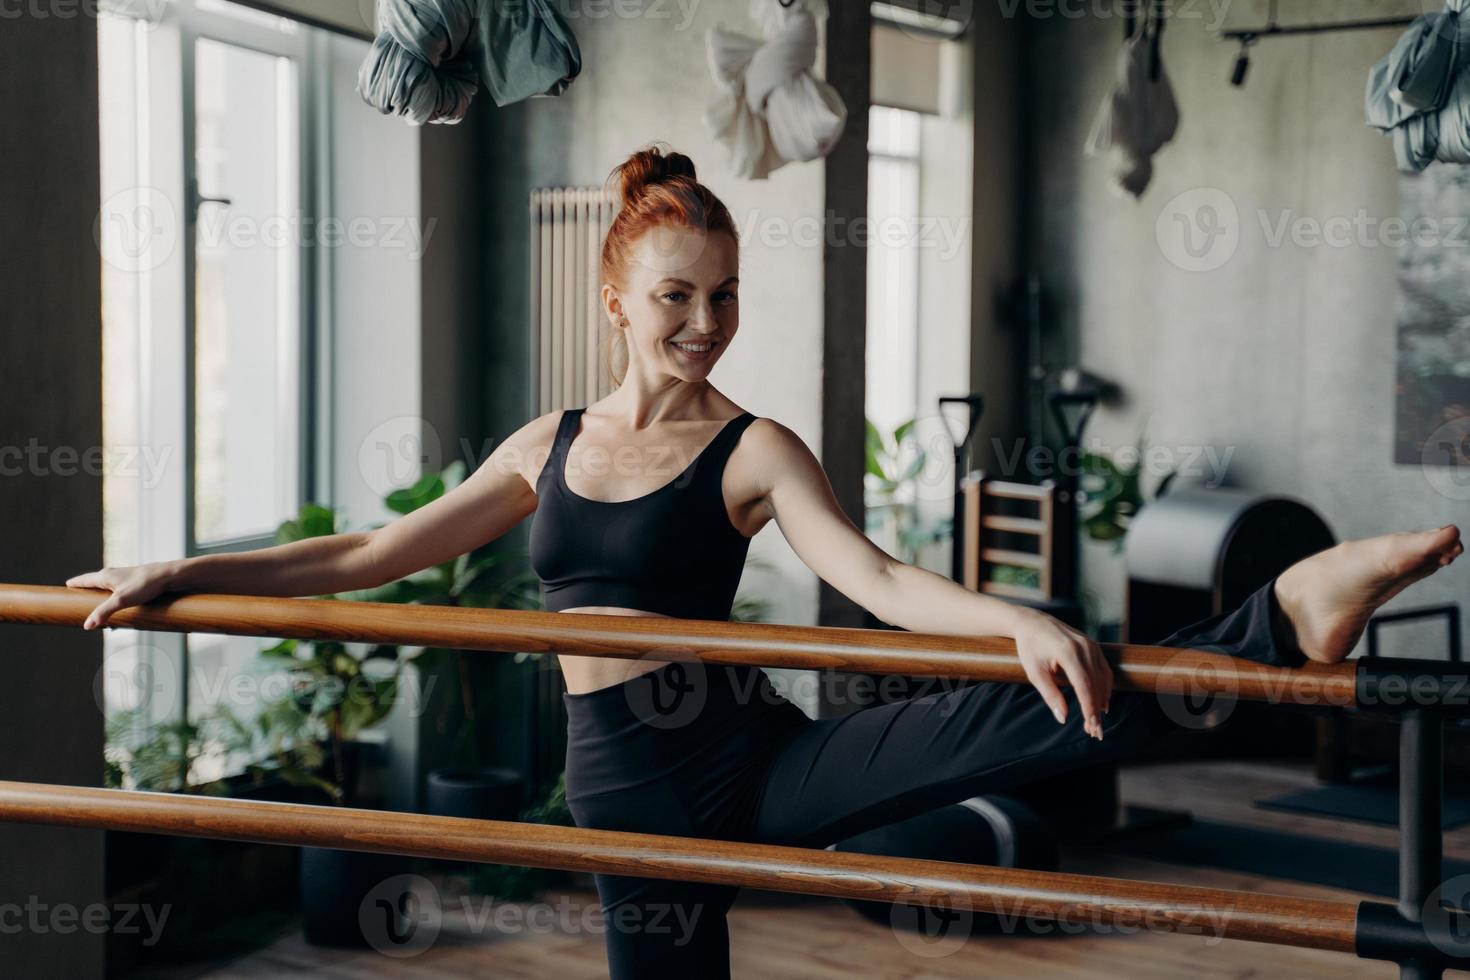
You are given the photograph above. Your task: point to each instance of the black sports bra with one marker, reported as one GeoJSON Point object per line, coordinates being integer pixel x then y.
{"type": "Point", "coordinates": [672, 550]}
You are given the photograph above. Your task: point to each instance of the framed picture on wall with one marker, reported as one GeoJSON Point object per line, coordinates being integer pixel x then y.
{"type": "Point", "coordinates": [1432, 375]}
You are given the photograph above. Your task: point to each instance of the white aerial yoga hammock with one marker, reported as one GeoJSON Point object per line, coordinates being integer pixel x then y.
{"type": "Point", "coordinates": [769, 110]}
{"type": "Point", "coordinates": [1139, 116]}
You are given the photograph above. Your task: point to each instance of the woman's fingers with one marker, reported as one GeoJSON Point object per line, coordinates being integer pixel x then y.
{"type": "Point", "coordinates": [1050, 693]}
{"type": "Point", "coordinates": [1077, 674]}
{"type": "Point", "coordinates": [132, 586]}
{"type": "Point", "coordinates": [98, 617]}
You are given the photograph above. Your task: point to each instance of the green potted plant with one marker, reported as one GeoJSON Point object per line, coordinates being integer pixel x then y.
{"type": "Point", "coordinates": [893, 462]}
{"type": "Point", "coordinates": [465, 787]}
{"type": "Point", "coordinates": [1109, 496]}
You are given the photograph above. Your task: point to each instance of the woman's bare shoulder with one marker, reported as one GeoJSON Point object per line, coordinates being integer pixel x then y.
{"type": "Point", "coordinates": [527, 447]}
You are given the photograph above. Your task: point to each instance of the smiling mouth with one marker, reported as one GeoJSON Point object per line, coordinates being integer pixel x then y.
{"type": "Point", "coordinates": [694, 348]}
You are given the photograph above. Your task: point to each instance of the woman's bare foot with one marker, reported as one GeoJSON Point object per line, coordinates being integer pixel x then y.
{"type": "Point", "coordinates": [1329, 597]}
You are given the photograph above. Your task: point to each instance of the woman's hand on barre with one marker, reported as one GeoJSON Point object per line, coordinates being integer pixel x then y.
{"type": "Point", "coordinates": [1045, 646]}
{"type": "Point", "coordinates": [131, 585]}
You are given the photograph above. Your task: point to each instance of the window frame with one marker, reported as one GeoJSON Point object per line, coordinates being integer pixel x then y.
{"type": "Point", "coordinates": [303, 47]}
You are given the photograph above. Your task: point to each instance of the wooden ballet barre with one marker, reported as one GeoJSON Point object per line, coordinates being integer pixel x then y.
{"type": "Point", "coordinates": [1368, 929]}
{"type": "Point", "coordinates": [1421, 933]}
{"type": "Point", "coordinates": [1140, 668]}
{"type": "Point", "coordinates": [1009, 892]}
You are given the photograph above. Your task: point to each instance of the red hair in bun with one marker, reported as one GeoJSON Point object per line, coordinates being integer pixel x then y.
{"type": "Point", "coordinates": [656, 189]}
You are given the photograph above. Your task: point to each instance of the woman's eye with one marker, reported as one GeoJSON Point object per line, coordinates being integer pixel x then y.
{"type": "Point", "coordinates": [673, 297]}
{"type": "Point", "coordinates": [726, 297]}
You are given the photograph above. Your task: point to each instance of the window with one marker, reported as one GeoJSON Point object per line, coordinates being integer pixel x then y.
{"type": "Point", "coordinates": [892, 319]}
{"type": "Point", "coordinates": [893, 266]}
{"type": "Point", "coordinates": [247, 375]}
{"type": "Point", "coordinates": [207, 160]}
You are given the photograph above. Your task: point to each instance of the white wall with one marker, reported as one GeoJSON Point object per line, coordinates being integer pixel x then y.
{"type": "Point", "coordinates": [375, 391]}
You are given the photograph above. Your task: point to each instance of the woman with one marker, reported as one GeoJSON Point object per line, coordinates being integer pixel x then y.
{"type": "Point", "coordinates": [621, 528]}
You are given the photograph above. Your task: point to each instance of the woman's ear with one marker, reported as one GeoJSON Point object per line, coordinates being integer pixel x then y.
{"type": "Point", "coordinates": [612, 305]}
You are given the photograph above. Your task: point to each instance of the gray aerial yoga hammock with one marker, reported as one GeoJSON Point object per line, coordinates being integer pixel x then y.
{"type": "Point", "coordinates": [1420, 91]}
{"type": "Point", "coordinates": [430, 56]}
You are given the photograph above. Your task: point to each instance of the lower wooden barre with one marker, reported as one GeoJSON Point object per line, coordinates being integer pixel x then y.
{"type": "Point", "coordinates": [1136, 905]}
{"type": "Point", "coordinates": [1140, 668]}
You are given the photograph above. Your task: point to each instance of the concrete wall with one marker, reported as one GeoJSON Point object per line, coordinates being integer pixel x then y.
{"type": "Point", "coordinates": [52, 499]}
{"type": "Point", "coordinates": [1283, 356]}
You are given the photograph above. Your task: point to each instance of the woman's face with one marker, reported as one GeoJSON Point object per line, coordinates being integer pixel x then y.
{"type": "Point", "coordinates": [679, 301]}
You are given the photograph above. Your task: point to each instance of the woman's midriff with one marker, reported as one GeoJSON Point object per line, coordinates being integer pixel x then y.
{"type": "Point", "coordinates": [584, 675]}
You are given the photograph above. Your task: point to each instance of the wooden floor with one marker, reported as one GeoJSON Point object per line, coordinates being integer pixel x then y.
{"type": "Point", "coordinates": [800, 938]}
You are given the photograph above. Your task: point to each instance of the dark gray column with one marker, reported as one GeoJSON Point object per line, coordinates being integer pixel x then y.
{"type": "Point", "coordinates": [844, 284]}
{"type": "Point", "coordinates": [50, 489]}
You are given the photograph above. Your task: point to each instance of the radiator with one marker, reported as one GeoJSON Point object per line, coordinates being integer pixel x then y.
{"type": "Point", "coordinates": [569, 331]}
{"type": "Point", "coordinates": [569, 335]}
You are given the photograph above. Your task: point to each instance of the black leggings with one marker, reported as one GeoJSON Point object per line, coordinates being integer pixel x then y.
{"type": "Point", "coordinates": [715, 752]}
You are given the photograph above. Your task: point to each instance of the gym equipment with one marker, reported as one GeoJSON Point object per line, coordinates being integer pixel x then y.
{"type": "Point", "coordinates": [995, 829]}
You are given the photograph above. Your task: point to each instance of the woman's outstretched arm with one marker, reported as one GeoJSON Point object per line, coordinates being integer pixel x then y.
{"type": "Point", "coordinates": [492, 500]}
{"type": "Point", "coordinates": [798, 496]}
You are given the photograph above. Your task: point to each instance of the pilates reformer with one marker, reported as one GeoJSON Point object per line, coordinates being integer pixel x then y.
{"type": "Point", "coordinates": [1425, 932]}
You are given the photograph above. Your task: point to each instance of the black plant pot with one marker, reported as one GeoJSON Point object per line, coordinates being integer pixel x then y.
{"type": "Point", "coordinates": [479, 794]}
{"type": "Point", "coordinates": [339, 892]}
